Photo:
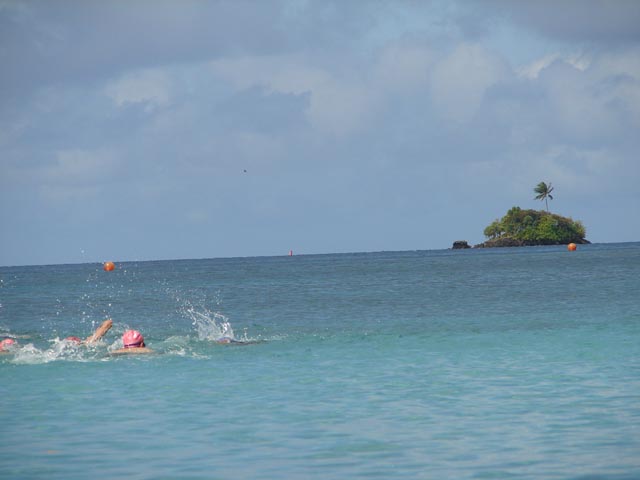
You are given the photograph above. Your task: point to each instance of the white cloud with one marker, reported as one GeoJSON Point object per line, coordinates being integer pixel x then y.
{"type": "Point", "coordinates": [533, 69]}
{"type": "Point", "coordinates": [404, 67]}
{"type": "Point", "coordinates": [336, 106]}
{"type": "Point", "coordinates": [595, 100]}
{"type": "Point", "coordinates": [151, 87]}
{"type": "Point", "coordinates": [341, 108]}
{"type": "Point", "coordinates": [461, 79]}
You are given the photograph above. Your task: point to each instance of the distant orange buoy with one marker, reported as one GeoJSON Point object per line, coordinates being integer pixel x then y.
{"type": "Point", "coordinates": [108, 266]}
{"type": "Point", "coordinates": [572, 247]}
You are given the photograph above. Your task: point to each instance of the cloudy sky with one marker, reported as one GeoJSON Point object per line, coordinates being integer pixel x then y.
{"type": "Point", "coordinates": [137, 130]}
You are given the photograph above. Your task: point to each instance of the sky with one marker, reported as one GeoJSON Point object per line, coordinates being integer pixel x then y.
{"type": "Point", "coordinates": [149, 130]}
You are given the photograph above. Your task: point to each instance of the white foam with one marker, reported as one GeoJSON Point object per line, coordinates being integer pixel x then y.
{"type": "Point", "coordinates": [60, 350]}
{"type": "Point", "coordinates": [209, 325]}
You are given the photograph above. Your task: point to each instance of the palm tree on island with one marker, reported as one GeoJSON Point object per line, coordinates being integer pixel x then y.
{"type": "Point", "coordinates": [520, 228]}
{"type": "Point", "coordinates": [544, 191]}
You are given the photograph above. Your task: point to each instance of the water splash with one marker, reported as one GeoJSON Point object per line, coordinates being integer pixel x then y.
{"type": "Point", "coordinates": [209, 325]}
{"type": "Point", "coordinates": [59, 350]}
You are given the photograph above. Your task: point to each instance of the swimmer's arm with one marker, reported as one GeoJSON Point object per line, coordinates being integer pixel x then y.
{"type": "Point", "coordinates": [100, 331]}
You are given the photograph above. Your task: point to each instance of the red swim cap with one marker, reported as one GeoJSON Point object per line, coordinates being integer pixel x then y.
{"type": "Point", "coordinates": [6, 342]}
{"type": "Point", "coordinates": [74, 339]}
{"type": "Point", "coordinates": [132, 338]}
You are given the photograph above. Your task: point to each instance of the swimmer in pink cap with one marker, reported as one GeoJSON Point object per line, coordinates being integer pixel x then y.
{"type": "Point", "coordinates": [132, 342]}
{"type": "Point", "coordinates": [7, 345]}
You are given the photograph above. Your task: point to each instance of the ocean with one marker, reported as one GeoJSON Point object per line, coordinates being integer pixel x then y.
{"type": "Point", "coordinates": [519, 363]}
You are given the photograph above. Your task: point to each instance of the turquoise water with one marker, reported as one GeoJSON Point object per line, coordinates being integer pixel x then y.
{"type": "Point", "coordinates": [480, 364]}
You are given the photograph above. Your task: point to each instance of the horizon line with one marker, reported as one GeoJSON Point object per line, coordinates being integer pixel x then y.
{"type": "Point", "coordinates": [294, 255]}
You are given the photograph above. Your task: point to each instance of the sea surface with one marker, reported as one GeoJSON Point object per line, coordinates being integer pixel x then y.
{"type": "Point", "coordinates": [518, 363]}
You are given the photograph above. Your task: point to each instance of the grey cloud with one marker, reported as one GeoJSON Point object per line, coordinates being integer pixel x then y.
{"type": "Point", "coordinates": [581, 21]}
{"type": "Point", "coordinates": [51, 42]}
{"type": "Point", "coordinates": [47, 43]}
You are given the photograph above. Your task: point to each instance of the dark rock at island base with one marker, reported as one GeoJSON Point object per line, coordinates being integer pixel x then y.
{"type": "Point", "coordinates": [460, 244]}
{"type": "Point", "coordinates": [512, 242]}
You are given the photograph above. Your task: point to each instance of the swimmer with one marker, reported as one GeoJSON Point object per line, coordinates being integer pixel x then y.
{"type": "Point", "coordinates": [233, 341]}
{"type": "Point", "coordinates": [133, 343]}
{"type": "Point", "coordinates": [97, 335]}
{"type": "Point", "coordinates": [7, 345]}
{"type": "Point", "coordinates": [225, 340]}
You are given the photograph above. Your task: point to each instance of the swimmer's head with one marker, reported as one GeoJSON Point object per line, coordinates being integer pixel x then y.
{"type": "Point", "coordinates": [224, 340]}
{"type": "Point", "coordinates": [73, 339]}
{"type": "Point", "coordinates": [132, 339]}
{"type": "Point", "coordinates": [7, 342]}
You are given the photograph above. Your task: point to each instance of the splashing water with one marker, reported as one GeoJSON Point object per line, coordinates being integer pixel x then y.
{"type": "Point", "coordinates": [59, 350]}
{"type": "Point", "coordinates": [209, 325]}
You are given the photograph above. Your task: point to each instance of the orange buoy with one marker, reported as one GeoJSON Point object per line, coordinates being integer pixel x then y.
{"type": "Point", "coordinates": [108, 266]}
{"type": "Point", "coordinates": [572, 247]}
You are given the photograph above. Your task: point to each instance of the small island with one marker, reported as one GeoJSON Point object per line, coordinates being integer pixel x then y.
{"type": "Point", "coordinates": [520, 228]}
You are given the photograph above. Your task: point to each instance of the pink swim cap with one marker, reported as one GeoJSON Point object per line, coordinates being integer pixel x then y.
{"type": "Point", "coordinates": [132, 338]}
{"type": "Point", "coordinates": [74, 339]}
{"type": "Point", "coordinates": [6, 342]}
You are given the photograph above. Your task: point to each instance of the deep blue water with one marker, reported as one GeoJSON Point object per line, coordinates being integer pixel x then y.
{"type": "Point", "coordinates": [479, 364]}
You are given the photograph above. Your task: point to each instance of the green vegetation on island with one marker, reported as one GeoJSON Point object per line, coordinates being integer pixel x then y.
{"type": "Point", "coordinates": [534, 227]}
